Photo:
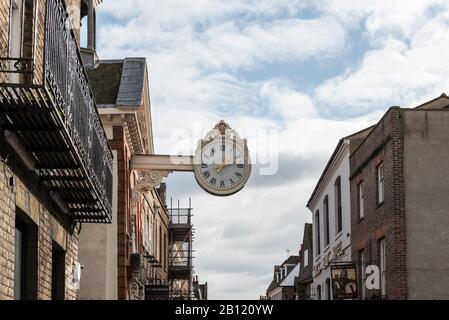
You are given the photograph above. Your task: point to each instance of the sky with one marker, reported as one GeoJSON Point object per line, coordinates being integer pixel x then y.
{"type": "Point", "coordinates": [307, 72]}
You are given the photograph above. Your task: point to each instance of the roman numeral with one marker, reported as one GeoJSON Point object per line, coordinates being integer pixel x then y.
{"type": "Point", "coordinates": [232, 181]}
{"type": "Point", "coordinates": [222, 184]}
{"type": "Point", "coordinates": [238, 174]}
{"type": "Point", "coordinates": [213, 181]}
{"type": "Point", "coordinates": [241, 166]}
{"type": "Point", "coordinates": [204, 166]}
{"type": "Point", "coordinates": [206, 174]}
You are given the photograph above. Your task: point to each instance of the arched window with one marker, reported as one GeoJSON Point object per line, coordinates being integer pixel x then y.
{"type": "Point", "coordinates": [338, 207]}
{"type": "Point", "coordinates": [317, 233]}
{"type": "Point", "coordinates": [328, 289]}
{"type": "Point", "coordinates": [88, 25]}
{"type": "Point", "coordinates": [318, 293]}
{"type": "Point", "coordinates": [326, 221]}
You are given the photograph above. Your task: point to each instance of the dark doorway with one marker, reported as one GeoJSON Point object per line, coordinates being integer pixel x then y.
{"type": "Point", "coordinates": [58, 273]}
{"type": "Point", "coordinates": [25, 262]}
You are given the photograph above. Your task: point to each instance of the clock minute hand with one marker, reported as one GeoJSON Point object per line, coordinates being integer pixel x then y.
{"type": "Point", "coordinates": [222, 166]}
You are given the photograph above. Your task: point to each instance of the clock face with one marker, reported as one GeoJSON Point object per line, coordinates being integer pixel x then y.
{"type": "Point", "coordinates": [222, 167]}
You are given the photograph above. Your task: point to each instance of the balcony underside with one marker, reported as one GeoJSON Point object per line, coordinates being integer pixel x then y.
{"type": "Point", "coordinates": [28, 112]}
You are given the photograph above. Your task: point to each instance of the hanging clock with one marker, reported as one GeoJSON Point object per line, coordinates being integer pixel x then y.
{"type": "Point", "coordinates": [222, 163]}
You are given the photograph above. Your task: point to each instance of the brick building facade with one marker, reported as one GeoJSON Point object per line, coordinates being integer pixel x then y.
{"type": "Point", "coordinates": [121, 259]}
{"type": "Point", "coordinates": [304, 281]}
{"type": "Point", "coordinates": [399, 203]}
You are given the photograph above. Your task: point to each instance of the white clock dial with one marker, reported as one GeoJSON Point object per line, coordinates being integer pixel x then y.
{"type": "Point", "coordinates": [224, 168]}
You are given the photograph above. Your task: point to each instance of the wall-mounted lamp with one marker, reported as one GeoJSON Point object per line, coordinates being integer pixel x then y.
{"type": "Point", "coordinates": [58, 200]}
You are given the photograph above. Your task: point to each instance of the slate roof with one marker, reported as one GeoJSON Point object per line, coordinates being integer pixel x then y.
{"type": "Point", "coordinates": [105, 81]}
{"type": "Point", "coordinates": [132, 82]}
{"type": "Point", "coordinates": [119, 82]}
{"type": "Point", "coordinates": [293, 260]}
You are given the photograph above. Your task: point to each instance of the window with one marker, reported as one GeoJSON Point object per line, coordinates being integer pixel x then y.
{"type": "Point", "coordinates": [16, 31]}
{"type": "Point", "coordinates": [306, 258]}
{"type": "Point", "coordinates": [383, 267]}
{"type": "Point", "coordinates": [161, 252]}
{"type": "Point", "coordinates": [380, 184]}
{"type": "Point", "coordinates": [361, 200]}
{"type": "Point", "coordinates": [317, 233]}
{"type": "Point", "coordinates": [16, 35]}
{"type": "Point", "coordinates": [165, 254]}
{"type": "Point", "coordinates": [326, 221]}
{"type": "Point", "coordinates": [58, 273]}
{"type": "Point", "coordinates": [318, 292]}
{"type": "Point", "coordinates": [362, 260]}
{"type": "Point", "coordinates": [25, 262]}
{"type": "Point", "coordinates": [18, 250]}
{"type": "Point", "coordinates": [328, 289]}
{"type": "Point", "coordinates": [338, 208]}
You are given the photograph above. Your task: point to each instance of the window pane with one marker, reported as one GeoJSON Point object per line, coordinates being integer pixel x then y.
{"type": "Point", "coordinates": [317, 232]}
{"type": "Point", "coordinates": [363, 269]}
{"type": "Point", "coordinates": [361, 201]}
{"type": "Point", "coordinates": [383, 267]}
{"type": "Point", "coordinates": [18, 265]}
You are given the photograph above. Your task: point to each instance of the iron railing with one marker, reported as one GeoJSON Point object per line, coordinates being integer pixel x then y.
{"type": "Point", "coordinates": [54, 79]}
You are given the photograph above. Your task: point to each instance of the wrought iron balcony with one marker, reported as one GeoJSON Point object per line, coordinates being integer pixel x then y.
{"type": "Point", "coordinates": [47, 110]}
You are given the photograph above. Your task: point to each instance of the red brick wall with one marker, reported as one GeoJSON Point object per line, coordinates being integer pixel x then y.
{"type": "Point", "coordinates": [384, 144]}
{"type": "Point", "coordinates": [119, 144]}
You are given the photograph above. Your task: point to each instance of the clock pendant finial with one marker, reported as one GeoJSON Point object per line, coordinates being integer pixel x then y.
{"type": "Point", "coordinates": [222, 126]}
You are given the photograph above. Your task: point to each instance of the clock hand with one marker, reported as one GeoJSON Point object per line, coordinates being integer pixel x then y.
{"type": "Point", "coordinates": [221, 167]}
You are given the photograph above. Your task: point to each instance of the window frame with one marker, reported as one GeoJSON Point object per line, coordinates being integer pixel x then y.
{"type": "Point", "coordinates": [328, 289]}
{"type": "Point", "coordinates": [326, 221]}
{"type": "Point", "coordinates": [361, 200]}
{"type": "Point", "coordinates": [317, 234]}
{"type": "Point", "coordinates": [380, 183]}
{"type": "Point", "coordinates": [362, 259]}
{"type": "Point", "coordinates": [338, 207]}
{"type": "Point", "coordinates": [383, 266]}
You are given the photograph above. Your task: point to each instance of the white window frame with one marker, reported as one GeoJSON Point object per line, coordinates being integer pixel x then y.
{"type": "Point", "coordinates": [380, 183]}
{"type": "Point", "coordinates": [383, 267]}
{"type": "Point", "coordinates": [306, 258]}
{"type": "Point", "coordinates": [363, 267]}
{"type": "Point", "coordinates": [361, 192]}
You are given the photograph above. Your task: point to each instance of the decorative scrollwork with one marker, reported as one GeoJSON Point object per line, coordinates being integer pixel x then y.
{"type": "Point", "coordinates": [151, 180]}
{"type": "Point", "coordinates": [21, 65]}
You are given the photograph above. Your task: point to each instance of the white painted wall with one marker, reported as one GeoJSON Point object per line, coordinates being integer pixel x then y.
{"type": "Point", "coordinates": [98, 254]}
{"type": "Point", "coordinates": [339, 168]}
{"type": "Point", "coordinates": [289, 281]}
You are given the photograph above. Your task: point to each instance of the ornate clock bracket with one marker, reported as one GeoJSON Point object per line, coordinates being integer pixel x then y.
{"type": "Point", "coordinates": [155, 168]}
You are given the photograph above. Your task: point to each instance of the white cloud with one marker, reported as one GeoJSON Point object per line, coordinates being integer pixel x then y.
{"type": "Point", "coordinates": [405, 67]}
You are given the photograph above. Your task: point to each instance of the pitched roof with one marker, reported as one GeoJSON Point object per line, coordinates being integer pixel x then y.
{"type": "Point", "coordinates": [356, 139]}
{"type": "Point", "coordinates": [439, 103]}
{"type": "Point", "coordinates": [291, 261]}
{"type": "Point", "coordinates": [105, 81]}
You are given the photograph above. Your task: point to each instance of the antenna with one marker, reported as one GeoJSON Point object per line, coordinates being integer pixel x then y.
{"type": "Point", "coordinates": [288, 252]}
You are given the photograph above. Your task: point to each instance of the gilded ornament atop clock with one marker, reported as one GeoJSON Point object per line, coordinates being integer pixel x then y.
{"type": "Point", "coordinates": [222, 163]}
